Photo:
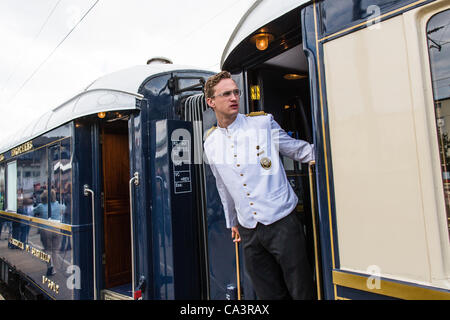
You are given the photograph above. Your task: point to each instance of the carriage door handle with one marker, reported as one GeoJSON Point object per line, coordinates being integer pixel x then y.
{"type": "Point", "coordinates": [135, 181]}
{"type": "Point", "coordinates": [86, 192]}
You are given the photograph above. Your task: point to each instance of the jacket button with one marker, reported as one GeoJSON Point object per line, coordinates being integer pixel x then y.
{"type": "Point", "coordinates": [254, 212]}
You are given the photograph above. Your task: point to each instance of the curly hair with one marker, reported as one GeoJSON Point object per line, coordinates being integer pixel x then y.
{"type": "Point", "coordinates": [213, 81]}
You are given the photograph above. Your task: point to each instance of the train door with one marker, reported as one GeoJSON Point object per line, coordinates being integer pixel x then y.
{"type": "Point", "coordinates": [116, 256]}
{"type": "Point", "coordinates": [280, 86]}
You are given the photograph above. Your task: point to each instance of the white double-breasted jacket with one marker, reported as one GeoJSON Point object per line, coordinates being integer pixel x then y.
{"type": "Point", "coordinates": [250, 177]}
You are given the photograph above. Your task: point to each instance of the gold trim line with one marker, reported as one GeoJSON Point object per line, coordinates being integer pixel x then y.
{"type": "Point", "coordinates": [389, 288]}
{"type": "Point", "coordinates": [57, 225]}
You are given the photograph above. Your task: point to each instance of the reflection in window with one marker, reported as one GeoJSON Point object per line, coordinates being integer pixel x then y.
{"type": "Point", "coordinates": [66, 181]}
{"type": "Point", "coordinates": [438, 34]}
{"type": "Point", "coordinates": [2, 188]}
{"type": "Point", "coordinates": [40, 183]}
{"type": "Point", "coordinates": [25, 184]}
{"type": "Point", "coordinates": [60, 181]}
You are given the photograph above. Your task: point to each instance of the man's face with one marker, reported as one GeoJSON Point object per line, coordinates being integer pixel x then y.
{"type": "Point", "coordinates": [225, 106]}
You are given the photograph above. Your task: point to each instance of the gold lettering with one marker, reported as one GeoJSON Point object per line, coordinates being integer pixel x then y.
{"type": "Point", "coordinates": [22, 148]}
{"type": "Point", "coordinates": [40, 255]}
{"type": "Point", "coordinates": [35, 252]}
{"type": "Point", "coordinates": [50, 284]}
{"type": "Point", "coordinates": [2, 157]}
{"type": "Point", "coordinates": [17, 243]}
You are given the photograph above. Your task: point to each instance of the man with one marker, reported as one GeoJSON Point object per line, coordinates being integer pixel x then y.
{"type": "Point", "coordinates": [257, 198]}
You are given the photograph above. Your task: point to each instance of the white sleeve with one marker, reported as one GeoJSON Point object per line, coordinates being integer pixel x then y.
{"type": "Point", "coordinates": [227, 201]}
{"type": "Point", "coordinates": [295, 149]}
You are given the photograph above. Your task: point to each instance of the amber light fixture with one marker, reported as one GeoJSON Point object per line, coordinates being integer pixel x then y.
{"type": "Point", "coordinates": [294, 76]}
{"type": "Point", "coordinates": [262, 40]}
{"type": "Point", "coordinates": [101, 115]}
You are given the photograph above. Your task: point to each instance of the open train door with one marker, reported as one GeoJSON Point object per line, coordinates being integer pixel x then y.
{"type": "Point", "coordinates": [381, 183]}
{"type": "Point", "coordinates": [110, 192]}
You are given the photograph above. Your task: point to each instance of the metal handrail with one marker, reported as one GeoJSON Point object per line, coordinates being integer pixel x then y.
{"type": "Point", "coordinates": [311, 170]}
{"type": "Point", "coordinates": [135, 181]}
{"type": "Point", "coordinates": [86, 192]}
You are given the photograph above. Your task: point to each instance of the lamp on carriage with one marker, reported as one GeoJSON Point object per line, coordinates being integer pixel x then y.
{"type": "Point", "coordinates": [101, 115]}
{"type": "Point", "coordinates": [262, 40]}
{"type": "Point", "coordinates": [294, 76]}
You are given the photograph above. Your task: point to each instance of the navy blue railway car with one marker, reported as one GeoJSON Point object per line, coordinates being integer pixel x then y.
{"type": "Point", "coordinates": [100, 197]}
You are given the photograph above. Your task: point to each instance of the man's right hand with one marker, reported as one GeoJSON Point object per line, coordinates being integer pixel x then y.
{"type": "Point", "coordinates": [235, 234]}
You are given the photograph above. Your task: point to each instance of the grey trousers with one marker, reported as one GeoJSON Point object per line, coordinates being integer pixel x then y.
{"type": "Point", "coordinates": [276, 259]}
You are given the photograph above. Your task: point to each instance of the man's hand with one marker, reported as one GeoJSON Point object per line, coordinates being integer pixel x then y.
{"type": "Point", "coordinates": [235, 234]}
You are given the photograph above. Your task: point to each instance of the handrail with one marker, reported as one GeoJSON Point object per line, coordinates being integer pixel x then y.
{"type": "Point", "coordinates": [135, 181]}
{"type": "Point", "coordinates": [238, 273]}
{"type": "Point", "coordinates": [311, 165]}
{"type": "Point", "coordinates": [86, 192]}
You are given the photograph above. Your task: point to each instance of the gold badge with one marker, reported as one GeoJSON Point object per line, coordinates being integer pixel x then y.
{"type": "Point", "coordinates": [265, 163]}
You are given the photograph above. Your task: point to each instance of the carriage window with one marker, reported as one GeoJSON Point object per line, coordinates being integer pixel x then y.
{"type": "Point", "coordinates": [60, 181]}
{"type": "Point", "coordinates": [2, 188]}
{"type": "Point", "coordinates": [438, 34]}
{"type": "Point", "coordinates": [40, 183]}
{"type": "Point", "coordinates": [11, 201]}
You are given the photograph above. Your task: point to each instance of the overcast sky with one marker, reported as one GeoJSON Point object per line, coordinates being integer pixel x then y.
{"type": "Point", "coordinates": [39, 71]}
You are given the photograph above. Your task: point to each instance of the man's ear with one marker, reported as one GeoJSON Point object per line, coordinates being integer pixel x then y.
{"type": "Point", "coordinates": [210, 102]}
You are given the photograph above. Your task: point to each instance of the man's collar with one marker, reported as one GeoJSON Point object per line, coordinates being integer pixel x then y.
{"type": "Point", "coordinates": [233, 125]}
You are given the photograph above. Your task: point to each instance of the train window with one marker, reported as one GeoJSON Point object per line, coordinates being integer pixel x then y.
{"type": "Point", "coordinates": [57, 208]}
{"type": "Point", "coordinates": [25, 184]}
{"type": "Point", "coordinates": [438, 34]}
{"type": "Point", "coordinates": [2, 187]}
{"type": "Point", "coordinates": [35, 186]}
{"type": "Point", "coordinates": [60, 181]}
{"type": "Point", "coordinates": [11, 199]}
{"type": "Point", "coordinates": [66, 182]}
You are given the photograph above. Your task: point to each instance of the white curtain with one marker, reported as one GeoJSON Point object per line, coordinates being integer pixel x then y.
{"type": "Point", "coordinates": [12, 186]}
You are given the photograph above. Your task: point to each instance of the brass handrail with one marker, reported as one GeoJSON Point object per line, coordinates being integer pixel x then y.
{"type": "Point", "coordinates": [311, 170]}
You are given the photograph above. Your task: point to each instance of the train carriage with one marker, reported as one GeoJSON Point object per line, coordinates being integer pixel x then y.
{"type": "Point", "coordinates": [98, 195]}
{"type": "Point", "coordinates": [368, 83]}
{"type": "Point", "coordinates": [108, 197]}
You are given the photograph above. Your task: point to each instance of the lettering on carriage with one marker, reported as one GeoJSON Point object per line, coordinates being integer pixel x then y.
{"type": "Point", "coordinates": [2, 157]}
{"type": "Point", "coordinates": [50, 284]}
{"type": "Point", "coordinates": [22, 148]}
{"type": "Point", "coordinates": [41, 255]}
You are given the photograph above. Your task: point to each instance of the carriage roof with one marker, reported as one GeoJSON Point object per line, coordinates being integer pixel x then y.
{"type": "Point", "coordinates": [114, 91]}
{"type": "Point", "coordinates": [258, 15]}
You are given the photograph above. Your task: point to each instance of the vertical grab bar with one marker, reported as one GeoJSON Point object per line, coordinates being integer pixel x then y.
{"type": "Point", "coordinates": [311, 170]}
{"type": "Point", "coordinates": [135, 181]}
{"type": "Point", "coordinates": [86, 192]}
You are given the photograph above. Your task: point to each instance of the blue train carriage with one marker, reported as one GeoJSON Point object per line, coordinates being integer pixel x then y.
{"type": "Point", "coordinates": [368, 83]}
{"type": "Point", "coordinates": [70, 180]}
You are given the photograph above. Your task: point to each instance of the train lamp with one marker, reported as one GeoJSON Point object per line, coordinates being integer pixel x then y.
{"type": "Point", "coordinates": [294, 76]}
{"type": "Point", "coordinates": [101, 115]}
{"type": "Point", "coordinates": [262, 40]}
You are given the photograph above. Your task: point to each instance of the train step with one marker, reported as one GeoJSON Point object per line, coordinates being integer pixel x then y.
{"type": "Point", "coordinates": [112, 295]}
